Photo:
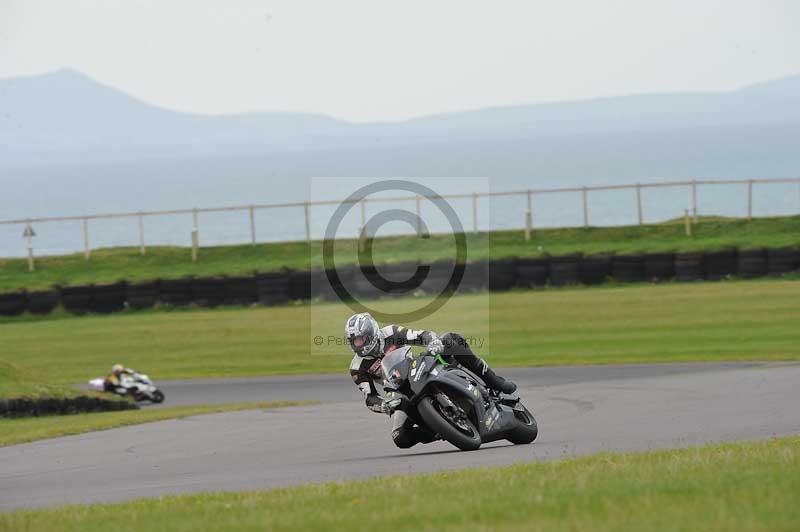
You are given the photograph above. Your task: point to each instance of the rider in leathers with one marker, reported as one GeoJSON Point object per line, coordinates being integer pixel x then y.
{"type": "Point", "coordinates": [370, 343]}
{"type": "Point", "coordinates": [113, 382]}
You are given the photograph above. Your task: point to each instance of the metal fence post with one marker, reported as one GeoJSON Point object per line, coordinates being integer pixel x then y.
{"type": "Point", "coordinates": [195, 235]}
{"type": "Point", "coordinates": [252, 225]}
{"type": "Point", "coordinates": [308, 222]}
{"type": "Point", "coordinates": [694, 199]}
{"type": "Point", "coordinates": [141, 234]}
{"type": "Point", "coordinates": [639, 203]}
{"type": "Point", "coordinates": [750, 199]}
{"type": "Point", "coordinates": [28, 233]}
{"type": "Point", "coordinates": [31, 266]}
{"type": "Point", "coordinates": [362, 228]}
{"type": "Point", "coordinates": [86, 250]}
{"type": "Point", "coordinates": [586, 207]}
{"type": "Point", "coordinates": [528, 218]}
{"type": "Point", "coordinates": [362, 239]}
{"type": "Point", "coordinates": [475, 213]}
{"type": "Point", "coordinates": [419, 217]}
{"type": "Point", "coordinates": [686, 223]}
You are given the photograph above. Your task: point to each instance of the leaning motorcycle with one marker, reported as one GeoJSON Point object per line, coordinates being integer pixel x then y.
{"type": "Point", "coordinates": [453, 402]}
{"type": "Point", "coordinates": [138, 385]}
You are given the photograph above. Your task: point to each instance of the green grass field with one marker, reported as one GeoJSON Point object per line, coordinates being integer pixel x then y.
{"type": "Point", "coordinates": [742, 320]}
{"type": "Point", "coordinates": [13, 431]}
{"type": "Point", "coordinates": [19, 382]}
{"type": "Point", "coordinates": [108, 265]}
{"type": "Point", "coordinates": [729, 487]}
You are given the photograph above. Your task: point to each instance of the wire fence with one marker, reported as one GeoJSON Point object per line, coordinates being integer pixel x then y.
{"type": "Point", "coordinates": [522, 214]}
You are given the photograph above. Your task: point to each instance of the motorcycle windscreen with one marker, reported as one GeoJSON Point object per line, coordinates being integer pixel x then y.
{"type": "Point", "coordinates": [395, 367]}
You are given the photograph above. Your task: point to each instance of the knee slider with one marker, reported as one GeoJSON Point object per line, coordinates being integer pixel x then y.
{"type": "Point", "coordinates": [402, 439]}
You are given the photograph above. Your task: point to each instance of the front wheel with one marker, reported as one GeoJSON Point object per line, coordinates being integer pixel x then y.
{"type": "Point", "coordinates": [526, 429]}
{"type": "Point", "coordinates": [451, 423]}
{"type": "Point", "coordinates": [157, 397]}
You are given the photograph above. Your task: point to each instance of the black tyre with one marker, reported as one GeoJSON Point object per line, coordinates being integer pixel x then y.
{"type": "Point", "coordinates": [106, 299]}
{"type": "Point", "coordinates": [752, 263]}
{"type": "Point", "coordinates": [476, 277]}
{"type": "Point", "coordinates": [783, 260]}
{"type": "Point", "coordinates": [76, 299]}
{"type": "Point", "coordinates": [273, 288]}
{"type": "Point", "coordinates": [158, 396]}
{"type": "Point", "coordinates": [457, 429]}
{"type": "Point", "coordinates": [42, 302]}
{"type": "Point", "coordinates": [503, 275]}
{"type": "Point", "coordinates": [565, 270]}
{"type": "Point", "coordinates": [720, 264]}
{"type": "Point", "coordinates": [533, 272]}
{"type": "Point", "coordinates": [689, 266]}
{"type": "Point", "coordinates": [526, 430]}
{"type": "Point", "coordinates": [628, 268]}
{"type": "Point", "coordinates": [595, 269]}
{"type": "Point", "coordinates": [13, 304]}
{"type": "Point", "coordinates": [659, 266]}
{"type": "Point", "coordinates": [143, 295]}
{"type": "Point", "coordinates": [176, 292]}
{"type": "Point", "coordinates": [300, 285]}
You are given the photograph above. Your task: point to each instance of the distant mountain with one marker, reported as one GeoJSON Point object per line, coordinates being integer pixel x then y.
{"type": "Point", "coordinates": [66, 117]}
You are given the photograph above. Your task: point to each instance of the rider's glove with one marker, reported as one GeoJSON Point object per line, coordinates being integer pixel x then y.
{"type": "Point", "coordinates": [436, 347]}
{"type": "Point", "coordinates": [375, 403]}
{"type": "Point", "coordinates": [390, 405]}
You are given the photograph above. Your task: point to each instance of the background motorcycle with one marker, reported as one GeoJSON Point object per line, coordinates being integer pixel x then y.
{"type": "Point", "coordinates": [138, 385]}
{"type": "Point", "coordinates": [453, 402]}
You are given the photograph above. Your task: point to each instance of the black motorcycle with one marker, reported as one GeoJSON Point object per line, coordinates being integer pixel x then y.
{"type": "Point", "coordinates": [453, 402]}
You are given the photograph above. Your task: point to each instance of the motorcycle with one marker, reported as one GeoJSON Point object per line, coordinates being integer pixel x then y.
{"type": "Point", "coordinates": [137, 385]}
{"type": "Point", "coordinates": [453, 402]}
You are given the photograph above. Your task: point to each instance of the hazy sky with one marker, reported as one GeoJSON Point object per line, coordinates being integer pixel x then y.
{"type": "Point", "coordinates": [372, 60]}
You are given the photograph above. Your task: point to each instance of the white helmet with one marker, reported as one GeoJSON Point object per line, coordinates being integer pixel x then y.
{"type": "Point", "coordinates": [363, 334]}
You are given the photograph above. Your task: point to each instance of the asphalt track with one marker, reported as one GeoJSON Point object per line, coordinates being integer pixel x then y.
{"type": "Point", "coordinates": [580, 410]}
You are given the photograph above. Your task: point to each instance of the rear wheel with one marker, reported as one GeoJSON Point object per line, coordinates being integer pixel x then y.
{"type": "Point", "coordinates": [526, 430]}
{"type": "Point", "coordinates": [450, 422]}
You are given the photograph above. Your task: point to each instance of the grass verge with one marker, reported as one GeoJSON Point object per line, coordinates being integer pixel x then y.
{"type": "Point", "coordinates": [747, 320]}
{"type": "Point", "coordinates": [13, 431]}
{"type": "Point", "coordinates": [20, 382]}
{"type": "Point", "coordinates": [729, 487]}
{"type": "Point", "coordinates": [109, 265]}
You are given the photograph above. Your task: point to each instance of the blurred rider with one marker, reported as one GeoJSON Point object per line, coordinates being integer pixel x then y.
{"type": "Point", "coordinates": [113, 382]}
{"type": "Point", "coordinates": [370, 343]}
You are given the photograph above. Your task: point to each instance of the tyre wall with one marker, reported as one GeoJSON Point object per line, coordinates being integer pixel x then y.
{"type": "Point", "coordinates": [277, 288]}
{"type": "Point", "coordinates": [51, 406]}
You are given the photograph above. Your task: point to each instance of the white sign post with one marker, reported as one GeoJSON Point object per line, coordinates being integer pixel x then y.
{"type": "Point", "coordinates": [28, 234]}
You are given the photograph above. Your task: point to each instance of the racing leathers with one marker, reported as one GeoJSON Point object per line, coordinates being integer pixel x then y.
{"type": "Point", "coordinates": [115, 381]}
{"type": "Point", "coordinates": [366, 371]}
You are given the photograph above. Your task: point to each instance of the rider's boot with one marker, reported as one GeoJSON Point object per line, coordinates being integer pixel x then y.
{"type": "Point", "coordinates": [496, 382]}
{"type": "Point", "coordinates": [457, 347]}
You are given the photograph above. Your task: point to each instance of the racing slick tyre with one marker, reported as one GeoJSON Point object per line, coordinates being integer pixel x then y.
{"type": "Point", "coordinates": [158, 396]}
{"type": "Point", "coordinates": [452, 426]}
{"type": "Point", "coordinates": [526, 430]}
